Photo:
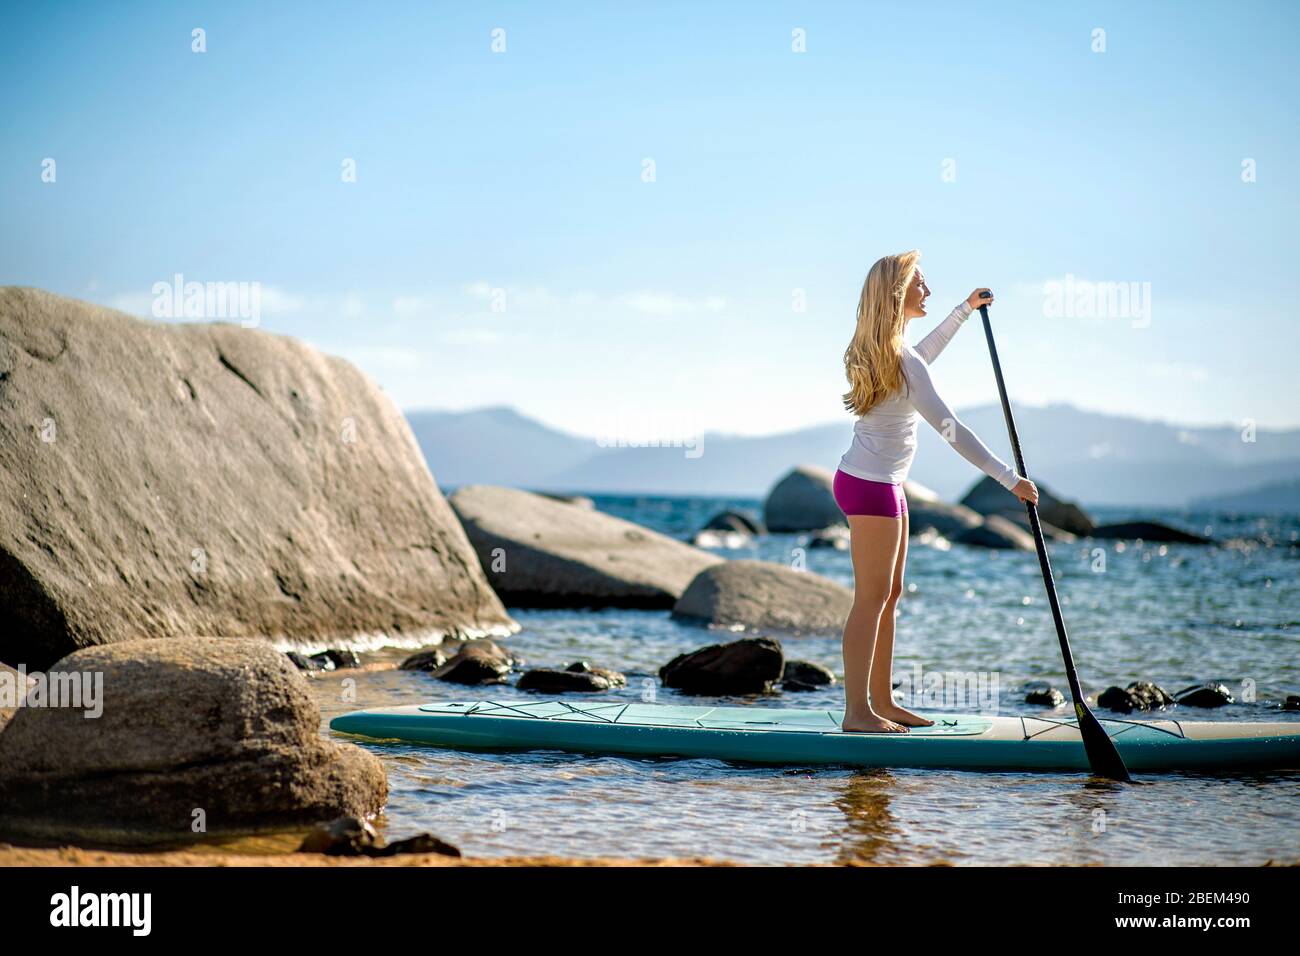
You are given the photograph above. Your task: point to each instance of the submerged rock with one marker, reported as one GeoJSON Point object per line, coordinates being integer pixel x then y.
{"type": "Point", "coordinates": [541, 553]}
{"type": "Point", "coordinates": [1292, 702]}
{"type": "Point", "coordinates": [1148, 531]}
{"type": "Point", "coordinates": [803, 501]}
{"type": "Point", "coordinates": [579, 677]}
{"type": "Point", "coordinates": [748, 666]}
{"type": "Point", "coordinates": [1205, 695]}
{"type": "Point", "coordinates": [178, 479]}
{"type": "Point", "coordinates": [805, 675]}
{"type": "Point", "coordinates": [195, 736]}
{"type": "Point", "coordinates": [760, 594]}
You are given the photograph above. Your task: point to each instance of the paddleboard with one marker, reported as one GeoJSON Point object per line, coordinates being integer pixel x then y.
{"type": "Point", "coordinates": [808, 737]}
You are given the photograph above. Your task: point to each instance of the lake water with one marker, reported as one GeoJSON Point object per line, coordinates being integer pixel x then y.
{"type": "Point", "coordinates": [1175, 614]}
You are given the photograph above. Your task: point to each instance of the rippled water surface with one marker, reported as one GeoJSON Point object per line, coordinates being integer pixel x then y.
{"type": "Point", "coordinates": [1178, 615]}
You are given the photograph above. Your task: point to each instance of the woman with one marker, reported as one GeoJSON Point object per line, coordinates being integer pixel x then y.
{"type": "Point", "coordinates": [889, 384]}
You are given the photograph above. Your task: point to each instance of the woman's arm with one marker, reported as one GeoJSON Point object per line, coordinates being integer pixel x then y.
{"type": "Point", "coordinates": [930, 346]}
{"type": "Point", "coordinates": [923, 397]}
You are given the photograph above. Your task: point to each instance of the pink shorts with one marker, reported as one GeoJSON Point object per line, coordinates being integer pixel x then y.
{"type": "Point", "coordinates": [857, 496]}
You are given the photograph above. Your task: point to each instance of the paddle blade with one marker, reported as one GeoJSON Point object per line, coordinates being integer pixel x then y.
{"type": "Point", "coordinates": [1102, 753]}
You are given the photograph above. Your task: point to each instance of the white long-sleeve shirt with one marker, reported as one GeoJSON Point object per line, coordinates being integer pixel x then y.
{"type": "Point", "coordinates": [884, 439]}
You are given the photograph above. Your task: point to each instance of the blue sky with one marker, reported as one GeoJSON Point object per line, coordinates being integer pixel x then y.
{"type": "Point", "coordinates": [634, 306]}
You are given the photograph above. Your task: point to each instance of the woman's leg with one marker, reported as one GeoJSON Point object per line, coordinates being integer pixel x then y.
{"type": "Point", "coordinates": [874, 543]}
{"type": "Point", "coordinates": [882, 668]}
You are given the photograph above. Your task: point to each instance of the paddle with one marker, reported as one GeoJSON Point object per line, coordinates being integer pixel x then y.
{"type": "Point", "coordinates": [1102, 753]}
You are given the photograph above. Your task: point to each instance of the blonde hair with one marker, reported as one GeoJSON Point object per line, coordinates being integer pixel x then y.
{"type": "Point", "coordinates": [872, 362]}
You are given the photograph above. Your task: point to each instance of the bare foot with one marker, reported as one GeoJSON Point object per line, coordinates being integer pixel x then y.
{"type": "Point", "coordinates": [871, 724]}
{"type": "Point", "coordinates": [903, 716]}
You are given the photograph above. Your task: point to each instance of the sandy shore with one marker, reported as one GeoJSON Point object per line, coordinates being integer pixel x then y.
{"type": "Point", "coordinates": [72, 856]}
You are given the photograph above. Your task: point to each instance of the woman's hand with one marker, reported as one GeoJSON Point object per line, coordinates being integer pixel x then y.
{"type": "Point", "coordinates": [1026, 491]}
{"type": "Point", "coordinates": [974, 301]}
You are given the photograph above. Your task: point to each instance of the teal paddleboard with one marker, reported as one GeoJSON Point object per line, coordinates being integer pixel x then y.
{"type": "Point", "coordinates": [806, 737]}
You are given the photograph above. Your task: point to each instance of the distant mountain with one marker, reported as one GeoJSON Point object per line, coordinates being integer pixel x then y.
{"type": "Point", "coordinates": [1096, 458]}
{"type": "Point", "coordinates": [494, 446]}
{"type": "Point", "coordinates": [1280, 498]}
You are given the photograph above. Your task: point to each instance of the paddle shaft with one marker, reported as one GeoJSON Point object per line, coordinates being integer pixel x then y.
{"type": "Point", "coordinates": [1105, 759]}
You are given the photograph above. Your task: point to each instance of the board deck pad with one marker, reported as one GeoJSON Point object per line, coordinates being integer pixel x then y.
{"type": "Point", "coordinates": [772, 735]}
{"type": "Point", "coordinates": [706, 718]}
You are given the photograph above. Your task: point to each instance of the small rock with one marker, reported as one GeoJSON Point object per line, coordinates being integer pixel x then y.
{"type": "Point", "coordinates": [1151, 694]}
{"type": "Point", "coordinates": [1206, 695]}
{"type": "Point", "coordinates": [321, 662]}
{"type": "Point", "coordinates": [1042, 693]}
{"type": "Point", "coordinates": [429, 660]}
{"type": "Point", "coordinates": [748, 666]}
{"type": "Point", "coordinates": [805, 675]}
{"type": "Point", "coordinates": [586, 680]}
{"type": "Point", "coordinates": [303, 662]}
{"type": "Point", "coordinates": [346, 836]}
{"type": "Point", "coordinates": [420, 843]}
{"type": "Point", "coordinates": [1292, 702]}
{"type": "Point", "coordinates": [1139, 695]}
{"type": "Point", "coordinates": [341, 658]}
{"type": "Point", "coordinates": [477, 662]}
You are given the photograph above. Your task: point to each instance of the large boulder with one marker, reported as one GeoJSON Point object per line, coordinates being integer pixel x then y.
{"type": "Point", "coordinates": [208, 479]}
{"type": "Point", "coordinates": [13, 691]}
{"type": "Point", "coordinates": [951, 521]}
{"type": "Point", "coordinates": [761, 595]}
{"type": "Point", "coordinates": [803, 501]}
{"type": "Point", "coordinates": [542, 553]}
{"type": "Point", "coordinates": [996, 531]}
{"type": "Point", "coordinates": [193, 735]}
{"type": "Point", "coordinates": [990, 498]}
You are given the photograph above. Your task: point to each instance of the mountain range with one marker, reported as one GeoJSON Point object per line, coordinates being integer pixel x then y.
{"type": "Point", "coordinates": [1091, 457]}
